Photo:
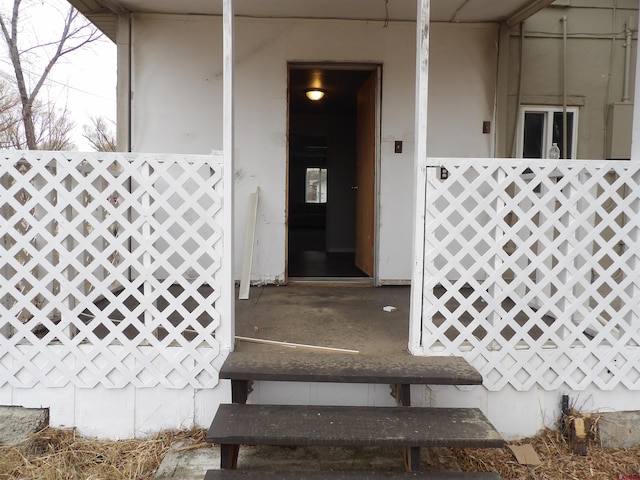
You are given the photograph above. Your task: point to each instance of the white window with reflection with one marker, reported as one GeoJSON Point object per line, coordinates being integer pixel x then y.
{"type": "Point", "coordinates": [316, 185]}
{"type": "Point", "coordinates": [541, 127]}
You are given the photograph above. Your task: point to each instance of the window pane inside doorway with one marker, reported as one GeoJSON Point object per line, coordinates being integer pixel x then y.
{"type": "Point", "coordinates": [316, 185]}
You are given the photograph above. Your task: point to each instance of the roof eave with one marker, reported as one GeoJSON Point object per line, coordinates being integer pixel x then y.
{"type": "Point", "coordinates": [102, 13]}
{"type": "Point", "coordinates": [534, 7]}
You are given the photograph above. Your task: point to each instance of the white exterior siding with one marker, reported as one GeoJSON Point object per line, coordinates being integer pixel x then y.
{"type": "Point", "coordinates": [121, 413]}
{"type": "Point", "coordinates": [177, 107]}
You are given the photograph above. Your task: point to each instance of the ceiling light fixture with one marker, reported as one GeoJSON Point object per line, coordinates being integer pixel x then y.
{"type": "Point", "coordinates": [314, 94]}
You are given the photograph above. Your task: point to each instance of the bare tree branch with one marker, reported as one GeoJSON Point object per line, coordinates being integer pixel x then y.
{"type": "Point", "coordinates": [52, 126]}
{"type": "Point", "coordinates": [11, 38]}
{"type": "Point", "coordinates": [101, 137]}
{"type": "Point", "coordinates": [9, 114]}
{"type": "Point", "coordinates": [75, 34]}
{"type": "Point", "coordinates": [56, 128]}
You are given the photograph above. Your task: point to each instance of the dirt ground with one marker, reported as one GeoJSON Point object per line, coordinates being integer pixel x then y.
{"type": "Point", "coordinates": [61, 454]}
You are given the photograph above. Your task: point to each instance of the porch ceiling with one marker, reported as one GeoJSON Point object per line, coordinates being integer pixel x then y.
{"type": "Point", "coordinates": [467, 11]}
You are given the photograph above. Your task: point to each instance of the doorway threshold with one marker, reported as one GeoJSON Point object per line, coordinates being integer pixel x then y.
{"type": "Point", "coordinates": [332, 281]}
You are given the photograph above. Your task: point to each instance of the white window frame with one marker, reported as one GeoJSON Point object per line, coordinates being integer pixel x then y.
{"type": "Point", "coordinates": [548, 134]}
{"type": "Point", "coordinates": [321, 192]}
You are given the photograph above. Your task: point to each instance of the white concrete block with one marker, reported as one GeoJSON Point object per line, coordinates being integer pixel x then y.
{"type": "Point", "coordinates": [59, 401]}
{"type": "Point", "coordinates": [206, 403]}
{"type": "Point", "coordinates": [159, 408]}
{"type": "Point", "coordinates": [380, 396]}
{"type": "Point", "coordinates": [283, 393]}
{"type": "Point", "coordinates": [6, 395]}
{"type": "Point", "coordinates": [472, 396]}
{"type": "Point", "coordinates": [106, 413]}
{"type": "Point", "coordinates": [515, 414]}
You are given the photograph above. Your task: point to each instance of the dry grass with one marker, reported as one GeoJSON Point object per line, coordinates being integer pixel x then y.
{"type": "Point", "coordinates": [61, 454]}
{"type": "Point", "coordinates": [558, 461]}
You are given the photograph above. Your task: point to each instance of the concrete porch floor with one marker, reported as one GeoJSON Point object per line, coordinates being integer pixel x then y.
{"type": "Point", "coordinates": [347, 317]}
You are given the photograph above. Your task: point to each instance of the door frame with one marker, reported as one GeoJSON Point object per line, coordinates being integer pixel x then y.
{"type": "Point", "coordinates": [376, 69]}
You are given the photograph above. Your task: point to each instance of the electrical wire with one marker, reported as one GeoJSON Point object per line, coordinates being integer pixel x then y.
{"type": "Point", "coordinates": [50, 81]}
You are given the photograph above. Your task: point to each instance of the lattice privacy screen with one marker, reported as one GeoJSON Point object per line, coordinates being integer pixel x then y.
{"type": "Point", "coordinates": [110, 269]}
{"type": "Point", "coordinates": [532, 271]}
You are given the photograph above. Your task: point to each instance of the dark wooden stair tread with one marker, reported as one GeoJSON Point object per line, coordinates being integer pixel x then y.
{"type": "Point", "coordinates": [345, 475]}
{"type": "Point", "coordinates": [241, 424]}
{"type": "Point", "coordinates": [304, 366]}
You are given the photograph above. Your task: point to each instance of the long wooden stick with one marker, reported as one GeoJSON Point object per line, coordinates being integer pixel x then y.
{"type": "Point", "coordinates": [295, 345]}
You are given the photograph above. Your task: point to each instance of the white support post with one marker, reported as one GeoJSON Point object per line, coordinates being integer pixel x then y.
{"type": "Point", "coordinates": [500, 124]}
{"type": "Point", "coordinates": [226, 332]}
{"type": "Point", "coordinates": [420, 165]}
{"type": "Point", "coordinates": [635, 133]}
{"type": "Point", "coordinates": [124, 83]}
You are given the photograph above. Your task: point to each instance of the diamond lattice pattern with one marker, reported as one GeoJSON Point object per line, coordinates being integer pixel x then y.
{"type": "Point", "coordinates": [532, 271]}
{"type": "Point", "coordinates": [110, 269]}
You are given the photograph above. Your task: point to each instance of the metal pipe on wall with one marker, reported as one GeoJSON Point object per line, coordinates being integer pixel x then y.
{"type": "Point", "coordinates": [627, 61]}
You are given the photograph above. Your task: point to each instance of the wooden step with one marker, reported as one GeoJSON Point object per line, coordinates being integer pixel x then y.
{"type": "Point", "coordinates": [352, 426]}
{"type": "Point", "coordinates": [304, 366]}
{"type": "Point", "coordinates": [342, 426]}
{"type": "Point", "coordinates": [300, 366]}
{"type": "Point", "coordinates": [342, 475]}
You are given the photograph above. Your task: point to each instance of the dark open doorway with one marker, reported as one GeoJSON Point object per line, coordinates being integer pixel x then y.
{"type": "Point", "coordinates": [331, 175]}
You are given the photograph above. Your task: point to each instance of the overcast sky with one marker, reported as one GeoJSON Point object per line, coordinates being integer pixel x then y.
{"type": "Point", "coordinates": [84, 81]}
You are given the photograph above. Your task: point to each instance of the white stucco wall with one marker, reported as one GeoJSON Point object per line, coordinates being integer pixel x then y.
{"type": "Point", "coordinates": [177, 108]}
{"type": "Point", "coordinates": [130, 412]}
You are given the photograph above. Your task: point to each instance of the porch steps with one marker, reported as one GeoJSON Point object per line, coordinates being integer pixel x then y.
{"type": "Point", "coordinates": [305, 366]}
{"type": "Point", "coordinates": [347, 426]}
{"type": "Point", "coordinates": [404, 370]}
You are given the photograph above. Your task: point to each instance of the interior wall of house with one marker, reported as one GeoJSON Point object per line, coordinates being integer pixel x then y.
{"type": "Point", "coordinates": [177, 108]}
{"type": "Point", "coordinates": [336, 130]}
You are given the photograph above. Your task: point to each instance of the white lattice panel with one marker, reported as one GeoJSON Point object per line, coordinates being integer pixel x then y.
{"type": "Point", "coordinates": [110, 269]}
{"type": "Point", "coordinates": [532, 271]}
